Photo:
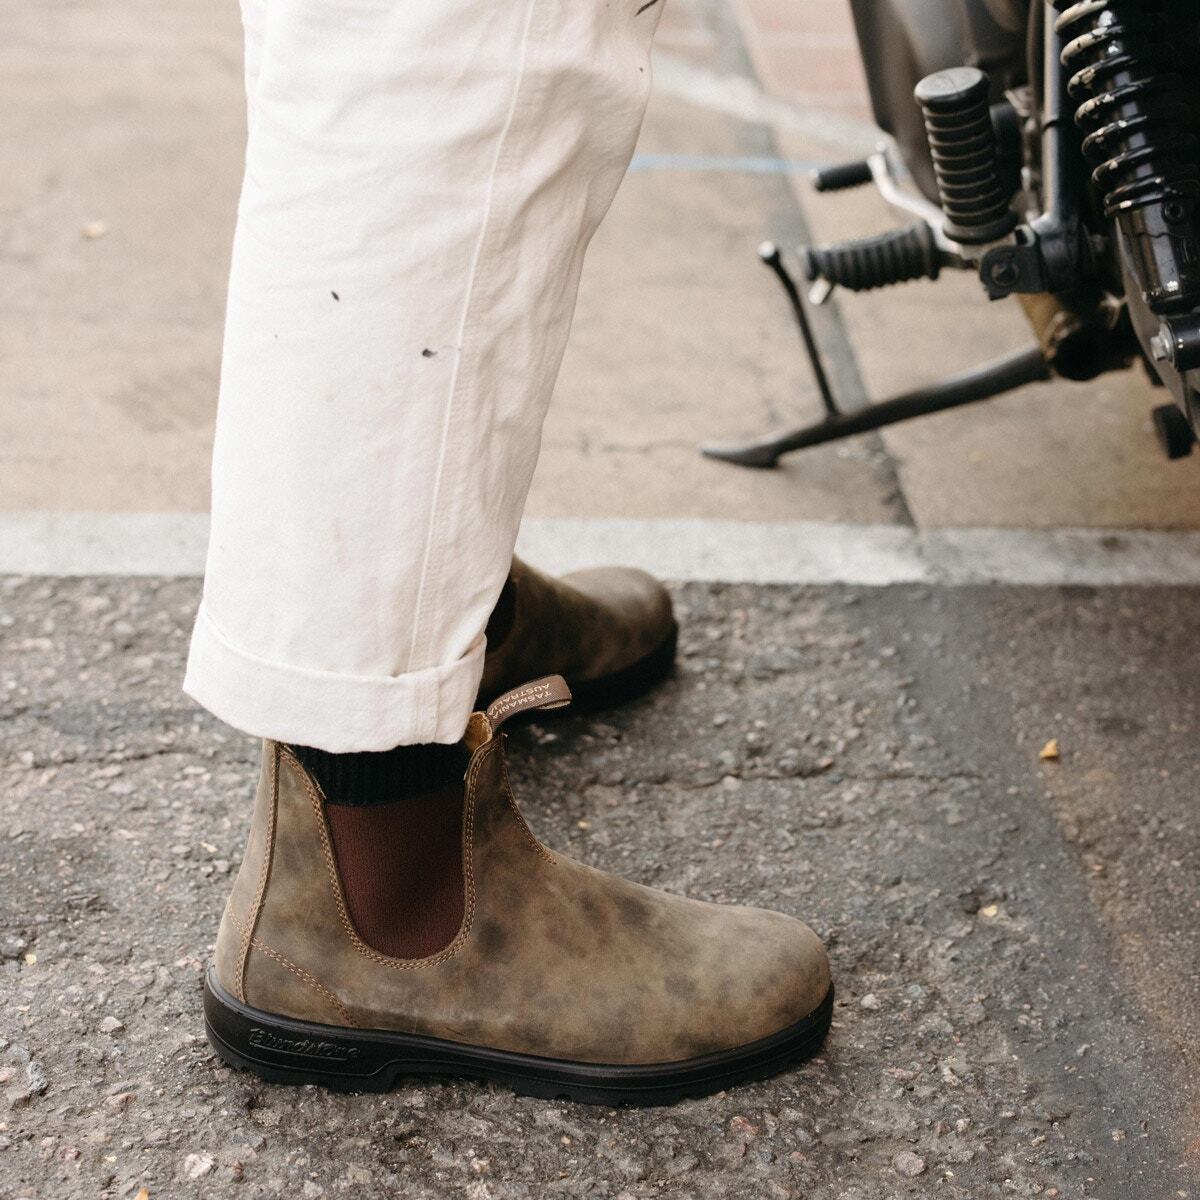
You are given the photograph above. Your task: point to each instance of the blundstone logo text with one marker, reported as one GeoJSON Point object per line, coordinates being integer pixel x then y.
{"type": "Point", "coordinates": [309, 1047]}
{"type": "Point", "coordinates": [530, 696]}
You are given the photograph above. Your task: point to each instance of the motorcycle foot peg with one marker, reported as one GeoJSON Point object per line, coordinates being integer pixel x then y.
{"type": "Point", "coordinates": [841, 176]}
{"type": "Point", "coordinates": [874, 262]}
{"type": "Point", "coordinates": [966, 155]}
{"type": "Point", "coordinates": [1174, 433]}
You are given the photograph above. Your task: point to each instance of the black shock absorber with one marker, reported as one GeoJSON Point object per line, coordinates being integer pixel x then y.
{"type": "Point", "coordinates": [966, 157]}
{"type": "Point", "coordinates": [1138, 126]}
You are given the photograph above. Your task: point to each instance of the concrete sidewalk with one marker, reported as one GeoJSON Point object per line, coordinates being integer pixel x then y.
{"type": "Point", "coordinates": [123, 146]}
{"type": "Point", "coordinates": [1013, 940]}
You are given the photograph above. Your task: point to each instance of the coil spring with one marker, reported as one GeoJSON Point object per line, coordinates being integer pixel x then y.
{"type": "Point", "coordinates": [1135, 116]}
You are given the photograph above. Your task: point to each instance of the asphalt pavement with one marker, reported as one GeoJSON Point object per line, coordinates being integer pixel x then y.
{"type": "Point", "coordinates": [1012, 936]}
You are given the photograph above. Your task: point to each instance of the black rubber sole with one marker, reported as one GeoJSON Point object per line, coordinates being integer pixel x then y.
{"type": "Point", "coordinates": [628, 683]}
{"type": "Point", "coordinates": [282, 1050]}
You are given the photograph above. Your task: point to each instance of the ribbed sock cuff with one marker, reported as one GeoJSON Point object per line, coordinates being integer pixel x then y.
{"type": "Point", "coordinates": [378, 777]}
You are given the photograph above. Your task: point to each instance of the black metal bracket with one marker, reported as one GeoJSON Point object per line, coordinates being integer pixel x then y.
{"type": "Point", "coordinates": [970, 387]}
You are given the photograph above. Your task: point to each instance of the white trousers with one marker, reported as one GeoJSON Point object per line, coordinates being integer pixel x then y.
{"type": "Point", "coordinates": [422, 180]}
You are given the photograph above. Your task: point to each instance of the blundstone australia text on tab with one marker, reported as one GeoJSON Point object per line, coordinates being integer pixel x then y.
{"type": "Point", "coordinates": [551, 692]}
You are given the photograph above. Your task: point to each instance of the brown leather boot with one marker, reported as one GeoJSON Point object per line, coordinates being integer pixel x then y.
{"type": "Point", "coordinates": [560, 981]}
{"type": "Point", "coordinates": [609, 631]}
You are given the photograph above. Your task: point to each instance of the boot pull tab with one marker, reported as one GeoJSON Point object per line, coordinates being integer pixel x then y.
{"type": "Point", "coordinates": [548, 692]}
{"type": "Point", "coordinates": [551, 691]}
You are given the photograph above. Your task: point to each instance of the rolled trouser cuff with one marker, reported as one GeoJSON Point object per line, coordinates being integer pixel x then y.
{"type": "Point", "coordinates": [331, 711]}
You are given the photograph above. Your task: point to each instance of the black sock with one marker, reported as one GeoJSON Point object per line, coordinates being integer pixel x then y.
{"type": "Point", "coordinates": [378, 777]}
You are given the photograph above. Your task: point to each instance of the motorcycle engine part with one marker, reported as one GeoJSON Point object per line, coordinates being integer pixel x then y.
{"type": "Point", "coordinates": [966, 155]}
{"type": "Point", "coordinates": [1178, 342]}
{"type": "Point", "coordinates": [902, 41]}
{"type": "Point", "coordinates": [874, 262]}
{"type": "Point", "coordinates": [1137, 119]}
{"type": "Point", "coordinates": [1084, 340]}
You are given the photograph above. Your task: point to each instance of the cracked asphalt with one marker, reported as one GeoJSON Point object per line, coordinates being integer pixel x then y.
{"type": "Point", "coordinates": [1012, 937]}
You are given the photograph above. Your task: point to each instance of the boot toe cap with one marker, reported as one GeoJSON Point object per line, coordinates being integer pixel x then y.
{"type": "Point", "coordinates": [781, 975]}
{"type": "Point", "coordinates": [805, 975]}
{"type": "Point", "coordinates": [751, 974]}
{"type": "Point", "coordinates": [637, 605]}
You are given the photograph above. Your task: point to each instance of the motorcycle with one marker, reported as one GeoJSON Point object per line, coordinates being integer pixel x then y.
{"type": "Point", "coordinates": [1053, 148]}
